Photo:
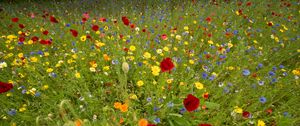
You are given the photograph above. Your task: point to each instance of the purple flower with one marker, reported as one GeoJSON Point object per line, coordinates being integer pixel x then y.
{"type": "Point", "coordinates": [262, 99]}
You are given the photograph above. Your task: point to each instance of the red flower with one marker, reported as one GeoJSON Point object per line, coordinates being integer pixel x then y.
{"type": "Point", "coordinates": [191, 103]}
{"type": "Point", "coordinates": [34, 38]}
{"type": "Point", "coordinates": [164, 37]}
{"type": "Point", "coordinates": [4, 87]}
{"type": "Point", "coordinates": [53, 19]}
{"type": "Point", "coordinates": [46, 32]}
{"type": "Point", "coordinates": [45, 42]}
{"type": "Point", "coordinates": [248, 4]}
{"type": "Point", "coordinates": [125, 20]}
{"type": "Point", "coordinates": [84, 20]}
{"type": "Point", "coordinates": [166, 65]}
{"type": "Point", "coordinates": [74, 32]}
{"type": "Point", "coordinates": [246, 114]}
{"type": "Point", "coordinates": [204, 125]}
{"type": "Point", "coordinates": [151, 125]}
{"type": "Point", "coordinates": [21, 26]}
{"type": "Point", "coordinates": [15, 19]}
{"type": "Point", "coordinates": [144, 30]}
{"type": "Point", "coordinates": [208, 19]}
{"type": "Point", "coordinates": [132, 26]}
{"type": "Point", "coordinates": [21, 39]}
{"type": "Point", "coordinates": [102, 19]}
{"type": "Point", "coordinates": [95, 27]}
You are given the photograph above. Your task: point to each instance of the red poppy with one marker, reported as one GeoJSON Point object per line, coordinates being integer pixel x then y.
{"type": "Point", "coordinates": [53, 19]}
{"type": "Point", "coordinates": [166, 65]}
{"type": "Point", "coordinates": [204, 125]}
{"type": "Point", "coordinates": [125, 20]}
{"type": "Point", "coordinates": [191, 103]}
{"type": "Point", "coordinates": [95, 27]}
{"type": "Point", "coordinates": [151, 125]}
{"type": "Point", "coordinates": [45, 42]}
{"type": "Point", "coordinates": [208, 19]}
{"type": "Point", "coordinates": [46, 32]}
{"type": "Point", "coordinates": [246, 114]}
{"type": "Point", "coordinates": [5, 87]}
{"type": "Point", "coordinates": [144, 30]}
{"type": "Point", "coordinates": [15, 19]}
{"type": "Point", "coordinates": [74, 32]}
{"type": "Point", "coordinates": [21, 26]}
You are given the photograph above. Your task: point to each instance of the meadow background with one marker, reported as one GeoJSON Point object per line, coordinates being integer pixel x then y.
{"type": "Point", "coordinates": [239, 58]}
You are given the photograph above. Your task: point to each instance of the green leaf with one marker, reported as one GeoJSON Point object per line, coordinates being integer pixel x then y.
{"type": "Point", "coordinates": [211, 105]}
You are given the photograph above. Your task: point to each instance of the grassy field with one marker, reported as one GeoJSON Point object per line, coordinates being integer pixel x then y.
{"type": "Point", "coordinates": [147, 63]}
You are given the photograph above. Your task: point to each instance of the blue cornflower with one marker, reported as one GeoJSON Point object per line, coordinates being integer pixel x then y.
{"type": "Point", "coordinates": [246, 72]}
{"type": "Point", "coordinates": [262, 99]}
{"type": "Point", "coordinates": [12, 112]}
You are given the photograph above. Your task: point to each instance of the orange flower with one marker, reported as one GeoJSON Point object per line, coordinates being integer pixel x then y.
{"type": "Point", "coordinates": [124, 108]}
{"type": "Point", "coordinates": [106, 57]}
{"type": "Point", "coordinates": [78, 122]}
{"type": "Point", "coordinates": [143, 122]}
{"type": "Point", "coordinates": [117, 105]}
{"type": "Point", "coordinates": [121, 120]}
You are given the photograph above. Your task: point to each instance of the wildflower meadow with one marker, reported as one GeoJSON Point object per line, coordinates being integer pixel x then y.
{"type": "Point", "coordinates": [149, 63]}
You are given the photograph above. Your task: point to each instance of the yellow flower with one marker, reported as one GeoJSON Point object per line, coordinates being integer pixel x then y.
{"type": "Point", "coordinates": [191, 61]}
{"type": "Point", "coordinates": [169, 81]}
{"type": "Point", "coordinates": [106, 68]}
{"type": "Point", "coordinates": [166, 49]}
{"type": "Point", "coordinates": [83, 38]}
{"type": "Point", "coordinates": [143, 122]}
{"type": "Point", "coordinates": [296, 72]}
{"type": "Point", "coordinates": [186, 43]}
{"type": "Point", "coordinates": [155, 70]}
{"type": "Point", "coordinates": [238, 109]}
{"type": "Point", "coordinates": [132, 48]}
{"type": "Point", "coordinates": [186, 28]}
{"type": "Point", "coordinates": [159, 51]}
{"type": "Point", "coordinates": [178, 37]}
{"type": "Point", "coordinates": [20, 55]}
{"type": "Point", "coordinates": [147, 55]}
{"type": "Point", "coordinates": [210, 42]}
{"type": "Point", "coordinates": [133, 96]}
{"type": "Point", "coordinates": [92, 69]}
{"type": "Point", "coordinates": [181, 83]}
{"type": "Point", "coordinates": [199, 85]}
{"type": "Point", "coordinates": [77, 75]}
{"type": "Point", "coordinates": [45, 87]}
{"type": "Point", "coordinates": [49, 70]}
{"type": "Point", "coordinates": [140, 83]}
{"type": "Point", "coordinates": [260, 123]}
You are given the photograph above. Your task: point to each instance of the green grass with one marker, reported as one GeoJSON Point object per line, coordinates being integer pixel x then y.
{"type": "Point", "coordinates": [93, 94]}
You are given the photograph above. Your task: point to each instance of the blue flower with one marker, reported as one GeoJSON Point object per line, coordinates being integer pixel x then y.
{"type": "Point", "coordinates": [246, 72]}
{"type": "Point", "coordinates": [170, 104]}
{"type": "Point", "coordinates": [156, 120]}
{"type": "Point", "coordinates": [271, 73]}
{"type": "Point", "coordinates": [149, 99]}
{"type": "Point", "coordinates": [262, 99]}
{"type": "Point", "coordinates": [12, 112]}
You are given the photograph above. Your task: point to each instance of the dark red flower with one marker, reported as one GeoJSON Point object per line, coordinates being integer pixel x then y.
{"type": "Point", "coordinates": [191, 103]}
{"type": "Point", "coordinates": [246, 114]}
{"type": "Point", "coordinates": [95, 27]}
{"type": "Point", "coordinates": [34, 38]}
{"type": "Point", "coordinates": [46, 32]}
{"type": "Point", "coordinates": [84, 20]}
{"type": "Point", "coordinates": [5, 87]}
{"type": "Point", "coordinates": [208, 19]}
{"type": "Point", "coordinates": [151, 125]}
{"type": "Point", "coordinates": [166, 65]}
{"type": "Point", "coordinates": [74, 32]}
{"type": "Point", "coordinates": [45, 42]}
{"type": "Point", "coordinates": [53, 19]}
{"type": "Point", "coordinates": [21, 26]}
{"type": "Point", "coordinates": [21, 39]}
{"type": "Point", "coordinates": [248, 4]}
{"type": "Point", "coordinates": [204, 125]}
{"type": "Point", "coordinates": [125, 20]}
{"type": "Point", "coordinates": [144, 30]}
{"type": "Point", "coordinates": [15, 19]}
